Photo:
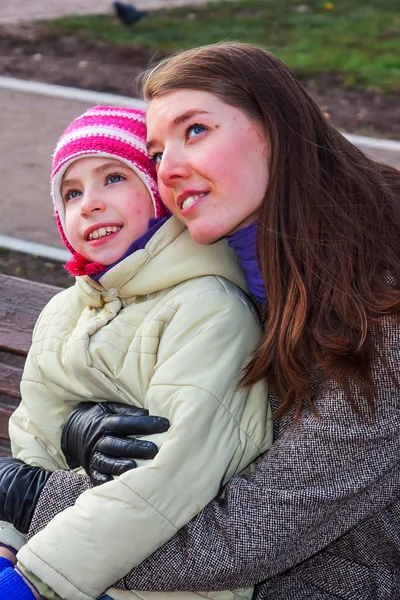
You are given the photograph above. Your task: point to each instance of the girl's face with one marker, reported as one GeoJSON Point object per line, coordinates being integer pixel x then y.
{"type": "Point", "coordinates": [211, 159]}
{"type": "Point", "coordinates": [107, 207]}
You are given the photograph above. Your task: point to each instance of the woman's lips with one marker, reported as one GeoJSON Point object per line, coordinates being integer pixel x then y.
{"type": "Point", "coordinates": [192, 201]}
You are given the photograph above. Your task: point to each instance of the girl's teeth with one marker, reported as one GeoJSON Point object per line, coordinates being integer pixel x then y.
{"type": "Point", "coordinates": [102, 231]}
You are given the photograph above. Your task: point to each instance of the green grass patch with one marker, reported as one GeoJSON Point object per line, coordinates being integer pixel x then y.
{"type": "Point", "coordinates": [359, 42]}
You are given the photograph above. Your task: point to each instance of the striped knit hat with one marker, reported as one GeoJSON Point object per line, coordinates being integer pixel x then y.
{"type": "Point", "coordinates": [110, 132]}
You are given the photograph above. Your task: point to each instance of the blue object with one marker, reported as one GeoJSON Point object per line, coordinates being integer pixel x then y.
{"type": "Point", "coordinates": [243, 242]}
{"type": "Point", "coordinates": [5, 564]}
{"type": "Point", "coordinates": [13, 587]}
{"type": "Point", "coordinates": [139, 244]}
{"type": "Point", "coordinates": [104, 597]}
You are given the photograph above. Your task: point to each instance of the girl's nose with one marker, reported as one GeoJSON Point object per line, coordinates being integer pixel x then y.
{"type": "Point", "coordinates": [172, 168]}
{"type": "Point", "coordinates": [91, 202]}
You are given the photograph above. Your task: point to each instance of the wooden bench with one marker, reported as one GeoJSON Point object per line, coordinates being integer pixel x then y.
{"type": "Point", "coordinates": [20, 304]}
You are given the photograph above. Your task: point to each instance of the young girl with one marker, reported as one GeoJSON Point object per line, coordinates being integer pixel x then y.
{"type": "Point", "coordinates": [155, 321]}
{"type": "Point", "coordinates": [319, 517]}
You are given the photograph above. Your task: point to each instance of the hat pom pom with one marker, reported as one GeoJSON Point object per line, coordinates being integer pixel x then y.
{"type": "Point", "coordinates": [94, 268]}
{"type": "Point", "coordinates": [78, 265]}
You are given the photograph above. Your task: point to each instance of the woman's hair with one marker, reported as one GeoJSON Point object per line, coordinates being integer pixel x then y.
{"type": "Point", "coordinates": [328, 232]}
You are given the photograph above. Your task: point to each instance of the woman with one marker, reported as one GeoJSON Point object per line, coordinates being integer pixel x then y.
{"type": "Point", "coordinates": [319, 517]}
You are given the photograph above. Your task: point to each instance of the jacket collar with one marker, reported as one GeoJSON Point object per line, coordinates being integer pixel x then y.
{"type": "Point", "coordinates": [169, 258]}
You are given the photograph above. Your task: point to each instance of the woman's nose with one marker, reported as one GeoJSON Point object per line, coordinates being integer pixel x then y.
{"type": "Point", "coordinates": [172, 168]}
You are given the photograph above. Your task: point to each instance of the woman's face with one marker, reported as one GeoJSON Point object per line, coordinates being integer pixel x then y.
{"type": "Point", "coordinates": [211, 159]}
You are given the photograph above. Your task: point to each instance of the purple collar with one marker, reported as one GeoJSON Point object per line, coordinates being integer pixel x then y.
{"type": "Point", "coordinates": [243, 242]}
{"type": "Point", "coordinates": [139, 244]}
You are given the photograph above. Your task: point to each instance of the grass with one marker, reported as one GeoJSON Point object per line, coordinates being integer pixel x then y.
{"type": "Point", "coordinates": [357, 42]}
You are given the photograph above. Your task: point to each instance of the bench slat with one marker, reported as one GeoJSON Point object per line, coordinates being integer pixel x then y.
{"type": "Point", "coordinates": [5, 448]}
{"type": "Point", "coordinates": [21, 301]}
{"type": "Point", "coordinates": [9, 380]}
{"type": "Point", "coordinates": [4, 416]}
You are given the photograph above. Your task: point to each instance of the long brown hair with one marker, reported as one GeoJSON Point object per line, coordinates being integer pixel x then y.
{"type": "Point", "coordinates": [328, 229]}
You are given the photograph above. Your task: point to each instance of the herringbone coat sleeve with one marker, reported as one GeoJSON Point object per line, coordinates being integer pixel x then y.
{"type": "Point", "coordinates": [322, 479]}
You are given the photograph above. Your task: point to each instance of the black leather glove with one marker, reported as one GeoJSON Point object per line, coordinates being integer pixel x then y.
{"type": "Point", "coordinates": [20, 488]}
{"type": "Point", "coordinates": [94, 437]}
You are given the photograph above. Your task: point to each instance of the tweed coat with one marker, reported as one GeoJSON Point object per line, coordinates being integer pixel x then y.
{"type": "Point", "coordinates": [319, 519]}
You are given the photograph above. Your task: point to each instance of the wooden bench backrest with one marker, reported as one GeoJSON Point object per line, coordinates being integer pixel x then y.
{"type": "Point", "coordinates": [20, 304]}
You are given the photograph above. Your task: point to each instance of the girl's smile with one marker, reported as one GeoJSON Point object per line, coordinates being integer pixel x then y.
{"type": "Point", "coordinates": [101, 231]}
{"type": "Point", "coordinates": [107, 207]}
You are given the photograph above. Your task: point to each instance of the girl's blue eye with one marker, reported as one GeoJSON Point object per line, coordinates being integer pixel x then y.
{"type": "Point", "coordinates": [115, 178]}
{"type": "Point", "coordinates": [72, 194]}
{"type": "Point", "coordinates": [195, 129]}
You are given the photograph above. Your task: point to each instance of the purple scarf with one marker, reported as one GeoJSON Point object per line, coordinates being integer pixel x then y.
{"type": "Point", "coordinates": [243, 242]}
{"type": "Point", "coordinates": [139, 244]}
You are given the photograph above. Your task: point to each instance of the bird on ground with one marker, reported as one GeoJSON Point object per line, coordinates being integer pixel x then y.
{"type": "Point", "coordinates": [127, 13]}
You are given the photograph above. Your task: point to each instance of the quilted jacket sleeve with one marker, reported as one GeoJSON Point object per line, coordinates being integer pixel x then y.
{"type": "Point", "coordinates": [194, 385]}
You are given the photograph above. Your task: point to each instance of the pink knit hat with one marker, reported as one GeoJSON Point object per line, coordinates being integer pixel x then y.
{"type": "Point", "coordinates": [110, 132]}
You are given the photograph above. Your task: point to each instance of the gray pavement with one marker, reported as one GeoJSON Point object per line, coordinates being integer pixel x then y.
{"type": "Point", "coordinates": [391, 157]}
{"type": "Point", "coordinates": [29, 128]}
{"type": "Point", "coordinates": [30, 125]}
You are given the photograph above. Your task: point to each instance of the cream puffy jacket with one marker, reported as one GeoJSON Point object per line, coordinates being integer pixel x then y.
{"type": "Point", "coordinates": [167, 330]}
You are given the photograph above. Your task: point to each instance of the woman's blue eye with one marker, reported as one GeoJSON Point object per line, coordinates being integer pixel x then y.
{"type": "Point", "coordinates": [115, 178]}
{"type": "Point", "coordinates": [195, 129]}
{"type": "Point", "coordinates": [156, 157]}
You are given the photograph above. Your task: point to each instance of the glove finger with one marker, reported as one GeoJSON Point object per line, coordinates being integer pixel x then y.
{"type": "Point", "coordinates": [126, 448]}
{"type": "Point", "coordinates": [118, 408]}
{"type": "Point", "coordinates": [110, 465]}
{"type": "Point", "coordinates": [99, 478]}
{"type": "Point", "coordinates": [129, 425]}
